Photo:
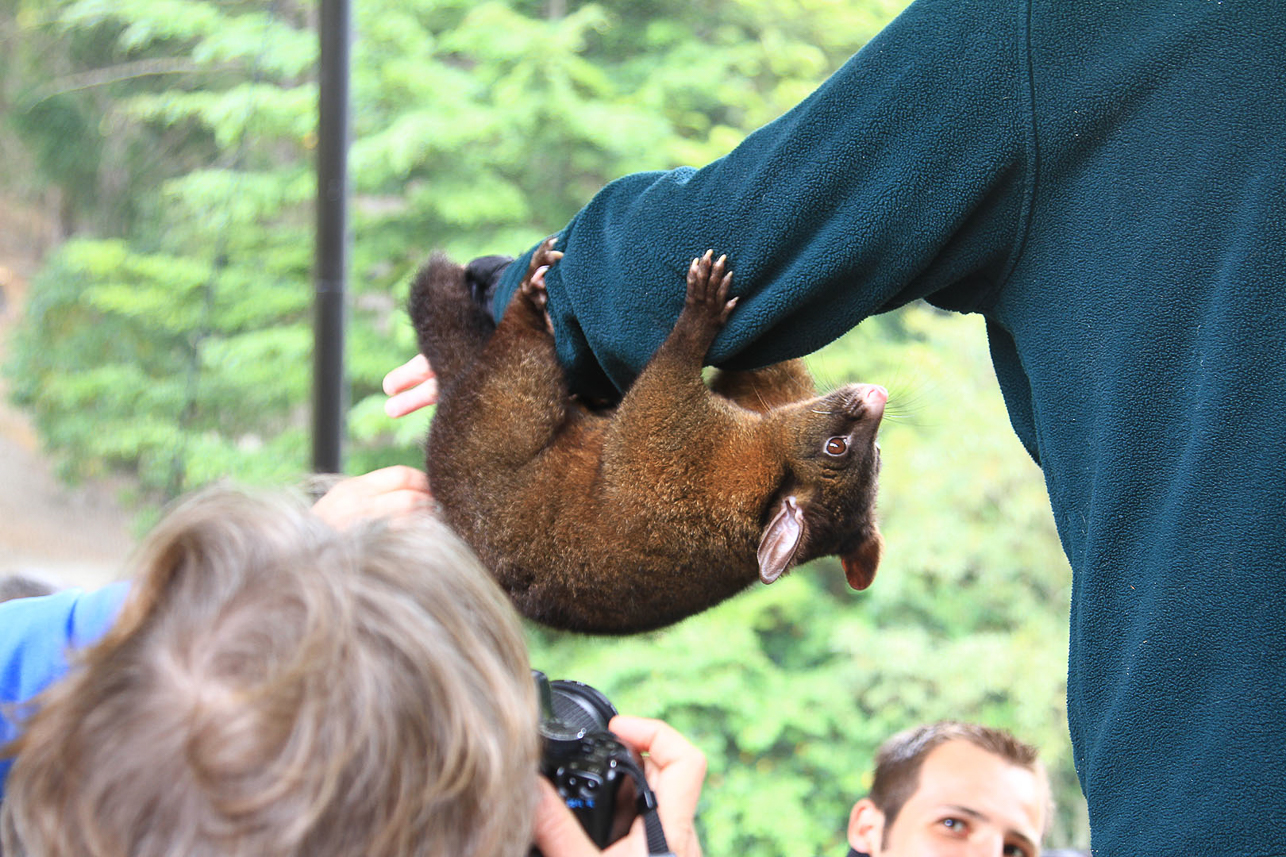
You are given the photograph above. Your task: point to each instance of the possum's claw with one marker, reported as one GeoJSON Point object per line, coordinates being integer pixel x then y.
{"type": "Point", "coordinates": [533, 284]}
{"type": "Point", "coordinates": [544, 256]}
{"type": "Point", "coordinates": [709, 281]}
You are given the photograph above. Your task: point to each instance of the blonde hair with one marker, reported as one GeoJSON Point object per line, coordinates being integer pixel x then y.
{"type": "Point", "coordinates": [275, 687]}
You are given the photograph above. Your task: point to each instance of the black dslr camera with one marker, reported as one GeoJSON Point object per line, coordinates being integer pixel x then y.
{"type": "Point", "coordinates": [596, 775]}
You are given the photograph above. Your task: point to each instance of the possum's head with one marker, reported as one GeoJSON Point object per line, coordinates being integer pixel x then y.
{"type": "Point", "coordinates": [826, 504]}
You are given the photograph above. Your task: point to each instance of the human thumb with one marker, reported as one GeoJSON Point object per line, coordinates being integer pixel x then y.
{"type": "Point", "coordinates": [557, 833]}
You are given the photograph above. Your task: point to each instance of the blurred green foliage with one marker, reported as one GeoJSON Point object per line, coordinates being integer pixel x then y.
{"type": "Point", "coordinates": [168, 338]}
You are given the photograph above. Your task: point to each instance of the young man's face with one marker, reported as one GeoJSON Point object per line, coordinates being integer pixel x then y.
{"type": "Point", "coordinates": [969, 803]}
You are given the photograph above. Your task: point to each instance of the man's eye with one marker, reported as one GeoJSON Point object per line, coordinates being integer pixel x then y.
{"type": "Point", "coordinates": [956, 825]}
{"type": "Point", "coordinates": [1015, 851]}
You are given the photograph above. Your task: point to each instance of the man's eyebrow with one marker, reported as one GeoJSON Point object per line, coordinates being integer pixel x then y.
{"type": "Point", "coordinates": [973, 813]}
{"type": "Point", "coordinates": [964, 810]}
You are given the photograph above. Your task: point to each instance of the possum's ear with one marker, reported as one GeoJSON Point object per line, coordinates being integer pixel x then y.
{"type": "Point", "coordinates": [859, 565]}
{"type": "Point", "coordinates": [780, 541]}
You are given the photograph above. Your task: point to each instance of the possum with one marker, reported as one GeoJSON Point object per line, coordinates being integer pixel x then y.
{"type": "Point", "coordinates": [629, 518]}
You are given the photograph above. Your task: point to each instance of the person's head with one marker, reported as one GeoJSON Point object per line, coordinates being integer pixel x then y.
{"type": "Point", "coordinates": [276, 687]}
{"type": "Point", "coordinates": [951, 789]}
{"type": "Point", "coordinates": [22, 586]}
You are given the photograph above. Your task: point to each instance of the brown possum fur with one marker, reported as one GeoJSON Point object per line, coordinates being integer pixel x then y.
{"type": "Point", "coordinates": [632, 518]}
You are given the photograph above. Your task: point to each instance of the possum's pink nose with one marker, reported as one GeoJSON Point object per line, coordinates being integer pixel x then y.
{"type": "Point", "coordinates": [875, 397]}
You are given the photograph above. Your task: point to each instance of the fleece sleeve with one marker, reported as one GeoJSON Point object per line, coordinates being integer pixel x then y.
{"type": "Point", "coordinates": [903, 176]}
{"type": "Point", "coordinates": [36, 636]}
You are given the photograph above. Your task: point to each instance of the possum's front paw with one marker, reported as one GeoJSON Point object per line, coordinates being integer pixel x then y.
{"type": "Point", "coordinates": [532, 288]}
{"type": "Point", "coordinates": [707, 305]}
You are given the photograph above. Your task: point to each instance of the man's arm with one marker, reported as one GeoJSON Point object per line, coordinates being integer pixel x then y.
{"type": "Point", "coordinates": [902, 176]}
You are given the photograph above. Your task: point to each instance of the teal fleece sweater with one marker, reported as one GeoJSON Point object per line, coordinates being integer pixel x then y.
{"type": "Point", "coordinates": [1105, 182]}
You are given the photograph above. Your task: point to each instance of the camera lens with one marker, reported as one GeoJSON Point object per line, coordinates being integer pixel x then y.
{"type": "Point", "coordinates": [580, 706]}
{"type": "Point", "coordinates": [592, 770]}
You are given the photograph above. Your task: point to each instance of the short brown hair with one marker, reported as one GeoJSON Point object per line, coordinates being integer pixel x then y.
{"type": "Point", "coordinates": [275, 687]}
{"type": "Point", "coordinates": [899, 759]}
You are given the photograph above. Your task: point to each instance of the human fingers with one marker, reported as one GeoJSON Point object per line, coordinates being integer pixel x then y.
{"type": "Point", "coordinates": [557, 833]}
{"type": "Point", "coordinates": [677, 770]}
{"type": "Point", "coordinates": [396, 477]}
{"type": "Point", "coordinates": [412, 400]}
{"type": "Point", "coordinates": [410, 387]}
{"type": "Point", "coordinates": [390, 492]}
{"type": "Point", "coordinates": [665, 746]}
{"type": "Point", "coordinates": [409, 374]}
{"type": "Point", "coordinates": [397, 505]}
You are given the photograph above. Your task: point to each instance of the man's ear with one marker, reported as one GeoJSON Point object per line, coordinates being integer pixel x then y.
{"type": "Point", "coordinates": [865, 827]}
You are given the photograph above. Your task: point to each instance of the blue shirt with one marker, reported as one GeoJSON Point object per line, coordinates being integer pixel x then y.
{"type": "Point", "coordinates": [36, 637]}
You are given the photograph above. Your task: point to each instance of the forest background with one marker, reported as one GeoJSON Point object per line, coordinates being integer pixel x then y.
{"type": "Point", "coordinates": [166, 341]}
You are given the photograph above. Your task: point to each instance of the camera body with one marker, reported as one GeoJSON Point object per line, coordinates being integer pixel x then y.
{"type": "Point", "coordinates": [592, 770]}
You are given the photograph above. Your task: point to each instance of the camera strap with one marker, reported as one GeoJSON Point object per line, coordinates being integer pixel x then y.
{"type": "Point", "coordinates": [647, 808]}
{"type": "Point", "coordinates": [656, 844]}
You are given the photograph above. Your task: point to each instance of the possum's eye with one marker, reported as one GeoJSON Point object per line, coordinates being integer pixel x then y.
{"type": "Point", "coordinates": [837, 446]}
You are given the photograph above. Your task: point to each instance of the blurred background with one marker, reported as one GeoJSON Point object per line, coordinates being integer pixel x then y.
{"type": "Point", "coordinates": [156, 252]}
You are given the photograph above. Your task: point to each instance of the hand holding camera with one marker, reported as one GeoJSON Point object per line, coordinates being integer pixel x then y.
{"type": "Point", "coordinates": [590, 795]}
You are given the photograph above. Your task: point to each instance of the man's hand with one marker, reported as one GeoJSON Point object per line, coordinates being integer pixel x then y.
{"type": "Point", "coordinates": [675, 770]}
{"type": "Point", "coordinates": [410, 387]}
{"type": "Point", "coordinates": [390, 492]}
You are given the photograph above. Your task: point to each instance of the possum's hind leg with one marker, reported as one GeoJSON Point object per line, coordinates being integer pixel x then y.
{"type": "Point", "coordinates": [450, 327]}
{"type": "Point", "coordinates": [515, 400]}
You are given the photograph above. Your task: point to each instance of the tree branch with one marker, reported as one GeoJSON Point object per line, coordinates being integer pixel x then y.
{"type": "Point", "coordinates": [118, 73]}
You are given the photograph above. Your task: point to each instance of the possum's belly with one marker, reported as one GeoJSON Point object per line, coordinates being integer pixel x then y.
{"type": "Point", "coordinates": [582, 545]}
{"type": "Point", "coordinates": [577, 570]}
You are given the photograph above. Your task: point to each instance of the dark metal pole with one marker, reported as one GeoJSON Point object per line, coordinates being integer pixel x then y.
{"type": "Point", "coordinates": [329, 384]}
